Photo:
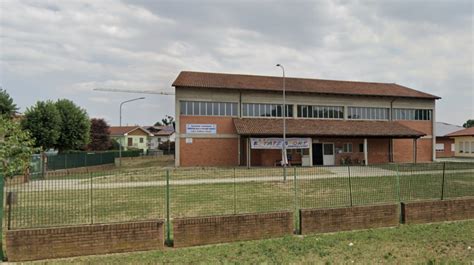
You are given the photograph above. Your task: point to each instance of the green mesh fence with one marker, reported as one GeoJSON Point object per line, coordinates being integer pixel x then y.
{"type": "Point", "coordinates": [150, 193]}
{"type": "Point", "coordinates": [86, 159]}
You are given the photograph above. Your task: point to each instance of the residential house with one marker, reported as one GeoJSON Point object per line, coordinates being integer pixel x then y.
{"type": "Point", "coordinates": [161, 134]}
{"type": "Point", "coordinates": [131, 137]}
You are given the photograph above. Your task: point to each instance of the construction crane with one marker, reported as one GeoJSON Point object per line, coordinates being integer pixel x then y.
{"type": "Point", "coordinates": [135, 91]}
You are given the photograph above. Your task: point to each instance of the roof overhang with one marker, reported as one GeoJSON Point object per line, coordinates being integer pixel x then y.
{"type": "Point", "coordinates": [324, 128]}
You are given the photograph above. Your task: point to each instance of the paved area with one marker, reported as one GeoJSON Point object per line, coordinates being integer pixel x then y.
{"type": "Point", "coordinates": [336, 172]}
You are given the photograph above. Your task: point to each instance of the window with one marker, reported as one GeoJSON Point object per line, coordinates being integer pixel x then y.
{"type": "Point", "coordinates": [347, 148]}
{"type": "Point", "coordinates": [453, 147]}
{"type": "Point", "coordinates": [265, 110]}
{"type": "Point", "coordinates": [467, 147]}
{"type": "Point", "coordinates": [320, 112]}
{"type": "Point", "coordinates": [141, 140]}
{"type": "Point", "coordinates": [361, 148]}
{"type": "Point", "coordinates": [461, 147]}
{"type": "Point", "coordinates": [328, 149]}
{"type": "Point", "coordinates": [472, 147]}
{"type": "Point", "coordinates": [201, 108]}
{"type": "Point", "coordinates": [363, 113]}
{"type": "Point", "coordinates": [439, 147]}
{"type": "Point", "coordinates": [412, 114]}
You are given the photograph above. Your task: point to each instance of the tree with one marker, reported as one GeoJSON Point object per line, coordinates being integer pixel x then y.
{"type": "Point", "coordinates": [468, 124]}
{"type": "Point", "coordinates": [16, 148]}
{"type": "Point", "coordinates": [99, 135]}
{"type": "Point", "coordinates": [167, 120]}
{"type": "Point", "coordinates": [7, 107]}
{"type": "Point", "coordinates": [43, 121]}
{"type": "Point", "coordinates": [75, 126]}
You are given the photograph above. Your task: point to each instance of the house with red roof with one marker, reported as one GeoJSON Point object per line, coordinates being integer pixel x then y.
{"type": "Point", "coordinates": [238, 120]}
{"type": "Point", "coordinates": [131, 137]}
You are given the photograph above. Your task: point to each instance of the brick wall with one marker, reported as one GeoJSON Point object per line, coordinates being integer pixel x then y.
{"type": "Point", "coordinates": [349, 218]}
{"type": "Point", "coordinates": [403, 150]}
{"type": "Point", "coordinates": [438, 211]}
{"type": "Point", "coordinates": [447, 142]}
{"type": "Point", "coordinates": [220, 229]}
{"type": "Point", "coordinates": [209, 152]}
{"type": "Point", "coordinates": [46, 243]}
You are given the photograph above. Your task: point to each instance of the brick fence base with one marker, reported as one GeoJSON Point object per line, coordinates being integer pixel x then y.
{"type": "Point", "coordinates": [437, 211]}
{"type": "Point", "coordinates": [46, 243]}
{"type": "Point", "coordinates": [229, 228]}
{"type": "Point", "coordinates": [349, 218]}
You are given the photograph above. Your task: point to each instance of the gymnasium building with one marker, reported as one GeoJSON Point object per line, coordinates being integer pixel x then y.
{"type": "Point", "coordinates": [237, 120]}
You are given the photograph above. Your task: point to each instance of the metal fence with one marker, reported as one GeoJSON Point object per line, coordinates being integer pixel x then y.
{"type": "Point", "coordinates": [144, 194]}
{"type": "Point", "coordinates": [78, 159]}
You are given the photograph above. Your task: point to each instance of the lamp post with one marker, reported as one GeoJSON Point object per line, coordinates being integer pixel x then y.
{"type": "Point", "coordinates": [120, 124]}
{"type": "Point", "coordinates": [284, 155]}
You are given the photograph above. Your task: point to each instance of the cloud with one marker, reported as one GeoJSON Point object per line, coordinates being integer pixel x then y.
{"type": "Point", "coordinates": [56, 49]}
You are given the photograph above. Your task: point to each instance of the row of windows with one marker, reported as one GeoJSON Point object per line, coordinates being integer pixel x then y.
{"type": "Point", "coordinates": [199, 108]}
{"type": "Point", "coordinates": [321, 112]}
{"type": "Point", "coordinates": [359, 113]}
{"type": "Point", "coordinates": [265, 110]}
{"type": "Point", "coordinates": [412, 114]}
{"type": "Point", "coordinates": [466, 147]}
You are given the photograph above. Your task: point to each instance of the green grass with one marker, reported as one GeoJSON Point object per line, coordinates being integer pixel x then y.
{"type": "Point", "coordinates": [120, 203]}
{"type": "Point", "coordinates": [445, 243]}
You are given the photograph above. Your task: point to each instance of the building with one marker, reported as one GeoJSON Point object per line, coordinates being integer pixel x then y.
{"type": "Point", "coordinates": [463, 142]}
{"type": "Point", "coordinates": [131, 137]}
{"type": "Point", "coordinates": [445, 145]}
{"type": "Point", "coordinates": [161, 134]}
{"type": "Point", "coordinates": [231, 120]}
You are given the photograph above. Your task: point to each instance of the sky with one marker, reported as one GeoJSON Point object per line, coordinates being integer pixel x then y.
{"type": "Point", "coordinates": [65, 49]}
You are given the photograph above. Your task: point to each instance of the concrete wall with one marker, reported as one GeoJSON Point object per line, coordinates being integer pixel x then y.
{"type": "Point", "coordinates": [438, 211]}
{"type": "Point", "coordinates": [219, 229]}
{"type": "Point", "coordinates": [350, 218]}
{"type": "Point", "coordinates": [48, 243]}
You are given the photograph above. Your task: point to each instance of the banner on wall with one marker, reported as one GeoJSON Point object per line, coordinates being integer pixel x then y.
{"type": "Point", "coordinates": [201, 128]}
{"type": "Point", "coordinates": [277, 143]}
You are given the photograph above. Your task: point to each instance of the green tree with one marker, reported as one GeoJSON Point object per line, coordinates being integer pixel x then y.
{"type": "Point", "coordinates": [16, 148]}
{"type": "Point", "coordinates": [468, 124]}
{"type": "Point", "coordinates": [75, 126]}
{"type": "Point", "coordinates": [167, 120]}
{"type": "Point", "coordinates": [43, 121]}
{"type": "Point", "coordinates": [7, 107]}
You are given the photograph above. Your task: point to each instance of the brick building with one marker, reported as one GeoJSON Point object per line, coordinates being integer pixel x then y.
{"type": "Point", "coordinates": [445, 146]}
{"type": "Point", "coordinates": [231, 120]}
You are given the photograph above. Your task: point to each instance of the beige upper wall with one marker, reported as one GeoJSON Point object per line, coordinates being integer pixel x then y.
{"type": "Point", "coordinates": [200, 94]}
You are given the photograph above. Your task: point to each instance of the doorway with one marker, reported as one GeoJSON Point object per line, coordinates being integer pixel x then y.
{"type": "Point", "coordinates": [323, 154]}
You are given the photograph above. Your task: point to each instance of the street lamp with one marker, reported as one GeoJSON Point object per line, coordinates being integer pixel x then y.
{"type": "Point", "coordinates": [120, 124]}
{"type": "Point", "coordinates": [284, 155]}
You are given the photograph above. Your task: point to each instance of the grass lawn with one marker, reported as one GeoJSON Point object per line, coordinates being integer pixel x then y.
{"type": "Point", "coordinates": [445, 243]}
{"type": "Point", "coordinates": [69, 206]}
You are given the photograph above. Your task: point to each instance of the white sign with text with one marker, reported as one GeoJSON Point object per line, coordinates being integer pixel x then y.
{"type": "Point", "coordinates": [201, 128]}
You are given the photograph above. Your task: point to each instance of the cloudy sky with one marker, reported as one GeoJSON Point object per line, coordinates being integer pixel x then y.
{"type": "Point", "coordinates": [64, 49]}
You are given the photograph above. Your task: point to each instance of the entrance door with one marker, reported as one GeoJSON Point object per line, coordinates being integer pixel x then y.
{"type": "Point", "coordinates": [328, 154]}
{"type": "Point", "coordinates": [317, 154]}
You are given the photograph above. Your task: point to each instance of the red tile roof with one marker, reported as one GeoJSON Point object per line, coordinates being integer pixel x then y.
{"type": "Point", "coordinates": [160, 130]}
{"type": "Point", "coordinates": [465, 132]}
{"type": "Point", "coordinates": [121, 130]}
{"type": "Point", "coordinates": [300, 85]}
{"type": "Point", "coordinates": [326, 128]}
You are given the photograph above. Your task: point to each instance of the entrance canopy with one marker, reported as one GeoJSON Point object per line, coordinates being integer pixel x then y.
{"type": "Point", "coordinates": [324, 128]}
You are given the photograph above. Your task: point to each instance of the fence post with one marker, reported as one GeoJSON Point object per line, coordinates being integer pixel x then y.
{"type": "Point", "coordinates": [297, 228]}
{"type": "Point", "coordinates": [235, 202]}
{"type": "Point", "coordinates": [443, 182]}
{"type": "Point", "coordinates": [2, 182]}
{"type": "Point", "coordinates": [168, 228]}
{"type": "Point", "coordinates": [399, 195]}
{"type": "Point", "coordinates": [350, 183]}
{"type": "Point", "coordinates": [91, 199]}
